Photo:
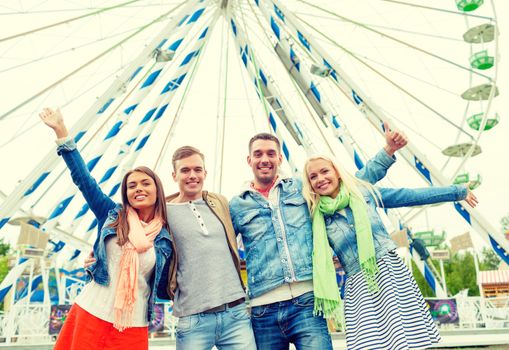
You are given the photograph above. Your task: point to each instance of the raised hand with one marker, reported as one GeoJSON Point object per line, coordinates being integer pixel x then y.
{"type": "Point", "coordinates": [395, 139]}
{"type": "Point", "coordinates": [471, 199]}
{"type": "Point", "coordinates": [55, 120]}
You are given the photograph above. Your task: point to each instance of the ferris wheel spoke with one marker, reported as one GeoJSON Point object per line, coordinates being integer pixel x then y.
{"type": "Point", "coordinates": [107, 51]}
{"type": "Point", "coordinates": [72, 49]}
{"type": "Point", "coordinates": [440, 10]}
{"type": "Point", "coordinates": [175, 122]}
{"type": "Point", "coordinates": [395, 29]}
{"type": "Point", "coordinates": [392, 82]}
{"type": "Point", "coordinates": [402, 42]}
{"type": "Point", "coordinates": [66, 21]}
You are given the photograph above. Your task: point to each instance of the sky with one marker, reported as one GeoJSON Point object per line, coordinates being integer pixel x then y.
{"type": "Point", "coordinates": [220, 93]}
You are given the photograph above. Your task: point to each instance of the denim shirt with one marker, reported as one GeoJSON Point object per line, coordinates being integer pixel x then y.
{"type": "Point", "coordinates": [341, 228]}
{"type": "Point", "coordinates": [106, 212]}
{"type": "Point", "coordinates": [278, 240]}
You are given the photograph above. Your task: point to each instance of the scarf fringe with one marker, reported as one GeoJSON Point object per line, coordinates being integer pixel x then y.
{"type": "Point", "coordinates": [123, 318]}
{"type": "Point", "coordinates": [331, 310]}
{"type": "Point", "coordinates": [370, 271]}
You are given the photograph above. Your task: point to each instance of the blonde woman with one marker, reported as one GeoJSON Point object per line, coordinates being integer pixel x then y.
{"type": "Point", "coordinates": [383, 306]}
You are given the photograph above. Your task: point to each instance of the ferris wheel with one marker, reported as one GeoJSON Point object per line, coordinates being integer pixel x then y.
{"type": "Point", "coordinates": [137, 79]}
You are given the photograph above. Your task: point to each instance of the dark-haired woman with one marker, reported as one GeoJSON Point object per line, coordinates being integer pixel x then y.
{"type": "Point", "coordinates": [132, 250]}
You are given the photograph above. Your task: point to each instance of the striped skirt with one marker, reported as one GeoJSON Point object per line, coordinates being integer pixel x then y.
{"type": "Point", "coordinates": [396, 317]}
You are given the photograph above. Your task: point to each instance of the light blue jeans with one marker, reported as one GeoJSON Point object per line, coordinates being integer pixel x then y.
{"type": "Point", "coordinates": [230, 329]}
{"type": "Point", "coordinates": [278, 324]}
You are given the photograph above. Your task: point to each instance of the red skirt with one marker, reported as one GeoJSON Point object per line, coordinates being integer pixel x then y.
{"type": "Point", "coordinates": [84, 331]}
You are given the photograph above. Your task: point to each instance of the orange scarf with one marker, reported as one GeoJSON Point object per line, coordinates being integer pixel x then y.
{"type": "Point", "coordinates": [141, 238]}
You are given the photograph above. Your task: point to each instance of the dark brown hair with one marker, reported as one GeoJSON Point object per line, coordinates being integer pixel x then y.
{"type": "Point", "coordinates": [121, 225]}
{"type": "Point", "coordinates": [265, 136]}
{"type": "Point", "coordinates": [184, 152]}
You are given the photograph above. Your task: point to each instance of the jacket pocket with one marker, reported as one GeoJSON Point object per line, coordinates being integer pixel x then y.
{"type": "Point", "coordinates": [254, 224]}
{"type": "Point", "coordinates": [295, 211]}
{"type": "Point", "coordinates": [260, 245]}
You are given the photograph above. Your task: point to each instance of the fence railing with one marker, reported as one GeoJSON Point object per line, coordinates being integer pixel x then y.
{"type": "Point", "coordinates": [29, 323]}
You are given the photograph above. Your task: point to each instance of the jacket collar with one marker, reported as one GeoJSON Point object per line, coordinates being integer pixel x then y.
{"type": "Point", "coordinates": [247, 186]}
{"type": "Point", "coordinates": [163, 234]}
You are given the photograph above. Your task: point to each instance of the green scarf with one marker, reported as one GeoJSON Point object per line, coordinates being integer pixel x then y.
{"type": "Point", "coordinates": [327, 299]}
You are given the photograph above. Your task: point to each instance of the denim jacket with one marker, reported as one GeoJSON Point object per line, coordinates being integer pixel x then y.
{"type": "Point", "coordinates": [341, 231]}
{"type": "Point", "coordinates": [106, 211]}
{"type": "Point", "coordinates": [278, 241]}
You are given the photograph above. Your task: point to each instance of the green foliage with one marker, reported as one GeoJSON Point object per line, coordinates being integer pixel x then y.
{"type": "Point", "coordinates": [4, 263]}
{"type": "Point", "coordinates": [4, 268]}
{"type": "Point", "coordinates": [4, 247]}
{"type": "Point", "coordinates": [490, 260]}
{"type": "Point", "coordinates": [426, 290]}
{"type": "Point", "coordinates": [459, 272]}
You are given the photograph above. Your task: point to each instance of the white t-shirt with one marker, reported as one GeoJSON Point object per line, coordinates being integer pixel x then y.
{"type": "Point", "coordinates": [99, 300]}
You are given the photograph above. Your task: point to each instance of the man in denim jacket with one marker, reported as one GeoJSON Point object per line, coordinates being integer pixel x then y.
{"type": "Point", "coordinates": [273, 218]}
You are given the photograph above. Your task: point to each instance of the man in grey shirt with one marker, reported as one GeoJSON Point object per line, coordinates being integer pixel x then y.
{"type": "Point", "coordinates": [204, 277]}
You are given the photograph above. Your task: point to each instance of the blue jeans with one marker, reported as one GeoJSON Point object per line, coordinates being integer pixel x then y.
{"type": "Point", "coordinates": [278, 324]}
{"type": "Point", "coordinates": [230, 329]}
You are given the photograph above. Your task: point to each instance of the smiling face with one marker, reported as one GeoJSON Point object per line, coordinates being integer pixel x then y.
{"type": "Point", "coordinates": [190, 174]}
{"type": "Point", "coordinates": [264, 159]}
{"type": "Point", "coordinates": [141, 191]}
{"type": "Point", "coordinates": [323, 178]}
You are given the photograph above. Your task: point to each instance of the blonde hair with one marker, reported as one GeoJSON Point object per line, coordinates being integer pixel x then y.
{"type": "Point", "coordinates": [352, 184]}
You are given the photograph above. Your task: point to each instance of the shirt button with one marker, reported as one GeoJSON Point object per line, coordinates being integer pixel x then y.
{"type": "Point", "coordinates": [279, 239]}
{"type": "Point", "coordinates": [287, 279]}
{"type": "Point", "coordinates": [283, 261]}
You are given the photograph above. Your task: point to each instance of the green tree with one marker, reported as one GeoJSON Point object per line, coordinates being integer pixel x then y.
{"type": "Point", "coordinates": [4, 263]}
{"type": "Point", "coordinates": [490, 260]}
{"type": "Point", "coordinates": [4, 266]}
{"type": "Point", "coordinates": [426, 290]}
{"type": "Point", "coordinates": [460, 274]}
{"type": "Point", "coordinates": [4, 247]}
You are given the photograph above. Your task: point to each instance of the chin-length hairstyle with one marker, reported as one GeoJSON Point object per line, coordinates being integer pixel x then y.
{"type": "Point", "coordinates": [353, 186]}
{"type": "Point", "coordinates": [120, 225]}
